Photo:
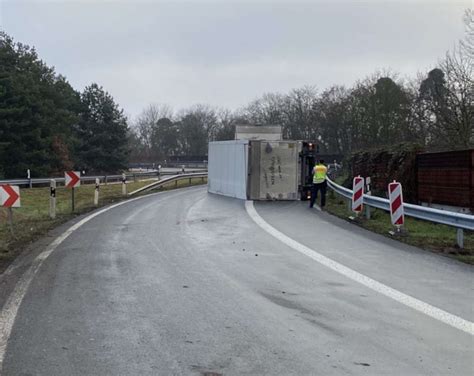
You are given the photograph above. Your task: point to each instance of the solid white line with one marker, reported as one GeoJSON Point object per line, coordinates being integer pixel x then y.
{"type": "Point", "coordinates": [11, 306]}
{"type": "Point", "coordinates": [429, 310]}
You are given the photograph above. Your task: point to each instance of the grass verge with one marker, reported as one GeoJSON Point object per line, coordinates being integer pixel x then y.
{"type": "Point", "coordinates": [423, 234]}
{"type": "Point", "coordinates": [32, 220]}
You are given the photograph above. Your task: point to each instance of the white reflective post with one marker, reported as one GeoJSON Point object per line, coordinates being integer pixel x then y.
{"type": "Point", "coordinates": [96, 192]}
{"type": "Point", "coordinates": [368, 192]}
{"type": "Point", "coordinates": [52, 199]}
{"type": "Point", "coordinates": [124, 185]}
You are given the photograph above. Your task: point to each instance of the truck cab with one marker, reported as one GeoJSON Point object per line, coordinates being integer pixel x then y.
{"type": "Point", "coordinates": [307, 161]}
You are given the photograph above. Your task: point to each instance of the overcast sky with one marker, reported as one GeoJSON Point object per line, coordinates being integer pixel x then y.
{"type": "Point", "coordinates": [228, 53]}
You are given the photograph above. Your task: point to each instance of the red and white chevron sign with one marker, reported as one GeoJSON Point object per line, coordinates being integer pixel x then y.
{"type": "Point", "coordinates": [73, 179]}
{"type": "Point", "coordinates": [10, 196]}
{"type": "Point", "coordinates": [357, 194]}
{"type": "Point", "coordinates": [396, 203]}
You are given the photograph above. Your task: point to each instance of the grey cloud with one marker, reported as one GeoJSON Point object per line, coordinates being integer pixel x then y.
{"type": "Point", "coordinates": [228, 53]}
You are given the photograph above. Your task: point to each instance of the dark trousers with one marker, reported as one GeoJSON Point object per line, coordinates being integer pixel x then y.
{"type": "Point", "coordinates": [314, 193]}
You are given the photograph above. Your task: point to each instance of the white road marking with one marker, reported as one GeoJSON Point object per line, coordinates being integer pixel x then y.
{"type": "Point", "coordinates": [429, 310]}
{"type": "Point", "coordinates": [11, 306]}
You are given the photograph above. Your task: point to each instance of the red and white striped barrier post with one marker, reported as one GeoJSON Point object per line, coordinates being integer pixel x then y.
{"type": "Point", "coordinates": [357, 194]}
{"type": "Point", "coordinates": [396, 204]}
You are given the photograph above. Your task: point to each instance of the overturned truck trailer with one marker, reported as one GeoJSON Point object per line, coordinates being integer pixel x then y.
{"type": "Point", "coordinates": [255, 169]}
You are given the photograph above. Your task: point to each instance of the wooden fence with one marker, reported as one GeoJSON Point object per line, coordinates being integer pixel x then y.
{"type": "Point", "coordinates": [446, 178]}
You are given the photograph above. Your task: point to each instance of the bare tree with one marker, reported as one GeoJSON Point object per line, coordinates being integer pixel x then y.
{"type": "Point", "coordinates": [447, 102]}
{"type": "Point", "coordinates": [227, 120]}
{"type": "Point", "coordinates": [197, 126]}
{"type": "Point", "coordinates": [144, 125]}
{"type": "Point", "coordinates": [298, 115]}
{"type": "Point", "coordinates": [459, 112]}
{"type": "Point", "coordinates": [266, 110]}
{"type": "Point", "coordinates": [332, 114]}
{"type": "Point", "coordinates": [467, 44]}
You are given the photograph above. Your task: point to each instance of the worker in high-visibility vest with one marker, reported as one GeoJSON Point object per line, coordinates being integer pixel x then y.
{"type": "Point", "coordinates": [319, 183]}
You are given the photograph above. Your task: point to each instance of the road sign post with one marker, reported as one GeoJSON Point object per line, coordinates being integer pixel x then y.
{"type": "Point", "coordinates": [96, 192]}
{"type": "Point", "coordinates": [10, 198]}
{"type": "Point", "coordinates": [72, 199]}
{"type": "Point", "coordinates": [52, 199]}
{"type": "Point", "coordinates": [72, 180]}
{"type": "Point", "coordinates": [10, 220]}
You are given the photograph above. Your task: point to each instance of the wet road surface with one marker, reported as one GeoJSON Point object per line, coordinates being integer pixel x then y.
{"type": "Point", "coordinates": [185, 282]}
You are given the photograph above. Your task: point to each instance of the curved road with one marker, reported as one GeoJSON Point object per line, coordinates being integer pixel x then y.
{"type": "Point", "coordinates": [185, 282]}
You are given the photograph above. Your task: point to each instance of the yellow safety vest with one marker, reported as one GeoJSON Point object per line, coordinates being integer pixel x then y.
{"type": "Point", "coordinates": [319, 173]}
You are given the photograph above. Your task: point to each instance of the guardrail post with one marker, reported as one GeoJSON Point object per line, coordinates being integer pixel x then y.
{"type": "Point", "coordinates": [96, 192]}
{"type": "Point", "coordinates": [105, 179]}
{"type": "Point", "coordinates": [369, 193]}
{"type": "Point", "coordinates": [52, 199]}
{"type": "Point", "coordinates": [460, 237]}
{"type": "Point", "coordinates": [176, 183]}
{"type": "Point", "coordinates": [190, 180]}
{"type": "Point", "coordinates": [367, 211]}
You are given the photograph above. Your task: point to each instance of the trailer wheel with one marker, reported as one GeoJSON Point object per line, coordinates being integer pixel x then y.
{"type": "Point", "coordinates": [304, 195]}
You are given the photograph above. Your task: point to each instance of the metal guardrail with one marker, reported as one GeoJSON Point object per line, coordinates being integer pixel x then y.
{"type": "Point", "coordinates": [175, 178]}
{"type": "Point", "coordinates": [458, 220]}
{"type": "Point", "coordinates": [102, 178]}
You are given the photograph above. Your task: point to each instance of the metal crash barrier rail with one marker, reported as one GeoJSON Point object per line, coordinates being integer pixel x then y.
{"type": "Point", "coordinates": [91, 179]}
{"type": "Point", "coordinates": [170, 179]}
{"type": "Point", "coordinates": [458, 220]}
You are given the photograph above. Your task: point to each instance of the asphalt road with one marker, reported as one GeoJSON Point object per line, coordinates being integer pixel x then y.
{"type": "Point", "coordinates": [185, 282]}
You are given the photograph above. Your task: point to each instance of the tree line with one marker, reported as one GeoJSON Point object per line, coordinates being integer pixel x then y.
{"type": "Point", "coordinates": [434, 110]}
{"type": "Point", "coordinates": [48, 127]}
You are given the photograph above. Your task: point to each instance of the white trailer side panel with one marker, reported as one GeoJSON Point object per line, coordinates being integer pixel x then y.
{"type": "Point", "coordinates": [227, 168]}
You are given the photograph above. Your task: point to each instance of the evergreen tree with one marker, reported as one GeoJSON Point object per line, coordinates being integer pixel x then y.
{"type": "Point", "coordinates": [102, 132]}
{"type": "Point", "coordinates": [37, 111]}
